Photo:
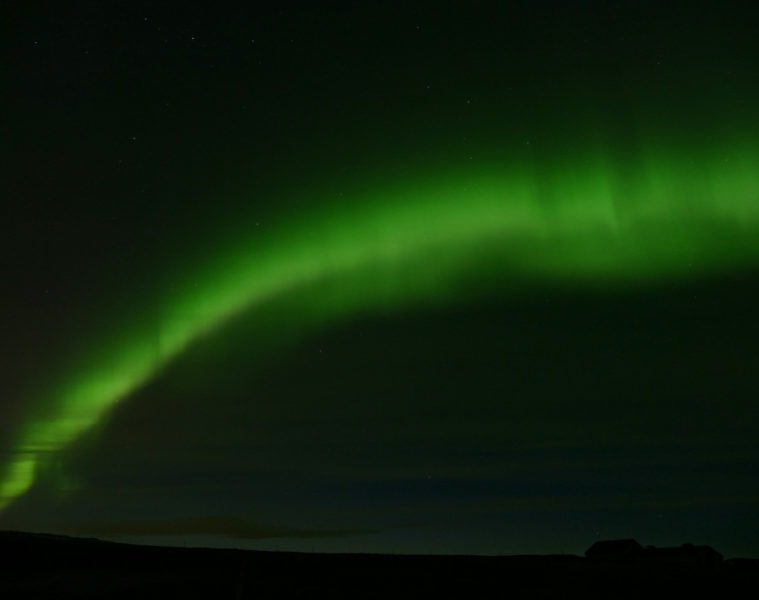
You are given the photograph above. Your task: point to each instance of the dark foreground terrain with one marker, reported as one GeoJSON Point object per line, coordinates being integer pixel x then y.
{"type": "Point", "coordinates": [45, 566]}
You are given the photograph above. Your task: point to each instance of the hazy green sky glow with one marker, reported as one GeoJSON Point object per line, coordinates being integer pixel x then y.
{"type": "Point", "coordinates": [672, 215]}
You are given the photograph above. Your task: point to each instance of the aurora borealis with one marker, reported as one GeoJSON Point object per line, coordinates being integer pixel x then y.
{"type": "Point", "coordinates": [413, 245]}
{"type": "Point", "coordinates": [566, 188]}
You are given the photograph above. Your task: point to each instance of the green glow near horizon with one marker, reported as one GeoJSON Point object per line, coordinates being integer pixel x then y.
{"type": "Point", "coordinates": [676, 216]}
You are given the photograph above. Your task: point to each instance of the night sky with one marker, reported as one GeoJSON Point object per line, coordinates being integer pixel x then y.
{"type": "Point", "coordinates": [381, 277]}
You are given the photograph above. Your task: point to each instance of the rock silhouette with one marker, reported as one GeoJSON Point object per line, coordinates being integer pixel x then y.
{"type": "Point", "coordinates": [631, 550]}
{"type": "Point", "coordinates": [60, 567]}
{"type": "Point", "coordinates": [615, 549]}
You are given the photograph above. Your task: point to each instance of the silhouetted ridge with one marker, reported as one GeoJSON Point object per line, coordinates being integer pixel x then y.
{"type": "Point", "coordinates": [631, 550]}
{"type": "Point", "coordinates": [60, 567]}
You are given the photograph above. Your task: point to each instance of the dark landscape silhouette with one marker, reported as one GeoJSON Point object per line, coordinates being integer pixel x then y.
{"type": "Point", "coordinates": [54, 566]}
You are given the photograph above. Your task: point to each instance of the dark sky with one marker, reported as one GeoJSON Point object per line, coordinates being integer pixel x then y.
{"type": "Point", "coordinates": [472, 393]}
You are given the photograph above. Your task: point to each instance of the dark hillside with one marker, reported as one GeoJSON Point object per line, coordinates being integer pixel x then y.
{"type": "Point", "coordinates": [44, 566]}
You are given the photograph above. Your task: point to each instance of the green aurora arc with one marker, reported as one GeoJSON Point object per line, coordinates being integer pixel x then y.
{"type": "Point", "coordinates": [586, 222]}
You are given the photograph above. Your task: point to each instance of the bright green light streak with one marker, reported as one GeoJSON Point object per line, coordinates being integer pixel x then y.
{"type": "Point", "coordinates": [413, 242]}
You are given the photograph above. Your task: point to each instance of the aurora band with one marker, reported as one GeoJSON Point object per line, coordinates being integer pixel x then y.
{"type": "Point", "coordinates": [422, 240]}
